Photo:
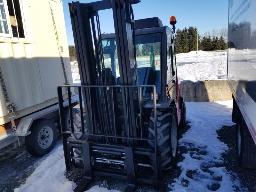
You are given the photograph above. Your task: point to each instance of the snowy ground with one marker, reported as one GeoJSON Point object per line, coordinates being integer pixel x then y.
{"type": "Point", "coordinates": [202, 168]}
{"type": "Point", "coordinates": [202, 65]}
{"type": "Point", "coordinates": [194, 66]}
{"type": "Point", "coordinates": [50, 176]}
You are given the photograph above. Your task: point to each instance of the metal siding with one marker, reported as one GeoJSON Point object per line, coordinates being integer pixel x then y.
{"type": "Point", "coordinates": [242, 58]}
{"type": "Point", "coordinates": [31, 67]}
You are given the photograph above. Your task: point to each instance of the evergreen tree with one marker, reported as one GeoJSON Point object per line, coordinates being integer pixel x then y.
{"type": "Point", "coordinates": [183, 41]}
{"type": "Point", "coordinates": [178, 41]}
{"type": "Point", "coordinates": [186, 40]}
{"type": "Point", "coordinates": [145, 49]}
{"type": "Point", "coordinates": [138, 51]}
{"type": "Point", "coordinates": [206, 43]}
{"type": "Point", "coordinates": [215, 44]}
{"type": "Point", "coordinates": [222, 44]}
{"type": "Point", "coordinates": [192, 37]}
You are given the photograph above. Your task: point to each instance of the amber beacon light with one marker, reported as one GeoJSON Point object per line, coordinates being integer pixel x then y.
{"type": "Point", "coordinates": [173, 20]}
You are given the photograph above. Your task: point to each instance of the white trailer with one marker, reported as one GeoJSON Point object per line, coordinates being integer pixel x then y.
{"type": "Point", "coordinates": [242, 76]}
{"type": "Point", "coordinates": [34, 60]}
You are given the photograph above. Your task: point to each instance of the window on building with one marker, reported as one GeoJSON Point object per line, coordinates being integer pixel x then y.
{"type": "Point", "coordinates": [11, 18]}
{"type": "Point", "coordinates": [3, 19]}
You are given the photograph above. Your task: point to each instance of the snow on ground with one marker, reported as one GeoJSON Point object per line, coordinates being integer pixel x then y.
{"type": "Point", "coordinates": [194, 66]}
{"type": "Point", "coordinates": [202, 168]}
{"type": "Point", "coordinates": [49, 176]}
{"type": "Point", "coordinates": [202, 65]}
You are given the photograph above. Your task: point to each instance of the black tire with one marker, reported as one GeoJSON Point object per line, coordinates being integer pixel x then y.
{"type": "Point", "coordinates": [183, 118]}
{"type": "Point", "coordinates": [246, 148]}
{"type": "Point", "coordinates": [42, 138]}
{"type": "Point", "coordinates": [167, 139]}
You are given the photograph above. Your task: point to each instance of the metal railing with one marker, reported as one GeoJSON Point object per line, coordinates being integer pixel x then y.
{"type": "Point", "coordinates": [103, 112]}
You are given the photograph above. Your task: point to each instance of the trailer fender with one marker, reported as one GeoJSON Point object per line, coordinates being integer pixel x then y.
{"type": "Point", "coordinates": [23, 128]}
{"type": "Point", "coordinates": [25, 123]}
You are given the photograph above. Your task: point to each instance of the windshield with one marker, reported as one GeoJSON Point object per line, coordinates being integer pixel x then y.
{"type": "Point", "coordinates": [148, 51]}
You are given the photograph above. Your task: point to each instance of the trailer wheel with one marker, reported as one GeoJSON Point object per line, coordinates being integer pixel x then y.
{"type": "Point", "coordinates": [246, 148]}
{"type": "Point", "coordinates": [42, 138]}
{"type": "Point", "coordinates": [167, 140]}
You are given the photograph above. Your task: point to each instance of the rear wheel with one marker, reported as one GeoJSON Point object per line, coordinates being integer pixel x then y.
{"type": "Point", "coordinates": [166, 125]}
{"type": "Point", "coordinates": [42, 138]}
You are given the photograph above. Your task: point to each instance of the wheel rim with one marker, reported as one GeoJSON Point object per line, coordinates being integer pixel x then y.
{"type": "Point", "coordinates": [45, 137]}
{"type": "Point", "coordinates": [239, 140]}
{"type": "Point", "coordinates": [174, 142]}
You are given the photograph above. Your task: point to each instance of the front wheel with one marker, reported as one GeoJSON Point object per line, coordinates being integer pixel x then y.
{"type": "Point", "coordinates": [183, 118]}
{"type": "Point", "coordinates": [42, 138]}
{"type": "Point", "coordinates": [167, 138]}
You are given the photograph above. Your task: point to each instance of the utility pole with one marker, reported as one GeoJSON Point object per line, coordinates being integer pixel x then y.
{"type": "Point", "coordinates": [197, 40]}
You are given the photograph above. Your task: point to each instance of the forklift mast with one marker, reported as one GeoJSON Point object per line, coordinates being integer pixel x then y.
{"type": "Point", "coordinates": [87, 35]}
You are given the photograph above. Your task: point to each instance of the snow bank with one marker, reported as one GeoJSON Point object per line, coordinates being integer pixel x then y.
{"type": "Point", "coordinates": [49, 176]}
{"type": "Point", "coordinates": [202, 168]}
{"type": "Point", "coordinates": [194, 66]}
{"type": "Point", "coordinates": [202, 65]}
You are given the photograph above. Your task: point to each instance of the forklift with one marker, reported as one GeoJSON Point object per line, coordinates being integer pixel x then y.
{"type": "Point", "coordinates": [129, 113]}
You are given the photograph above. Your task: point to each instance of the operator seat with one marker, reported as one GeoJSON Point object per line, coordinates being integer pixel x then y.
{"type": "Point", "coordinates": [146, 76]}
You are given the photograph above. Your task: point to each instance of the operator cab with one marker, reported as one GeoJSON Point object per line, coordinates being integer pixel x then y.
{"type": "Point", "coordinates": [153, 42]}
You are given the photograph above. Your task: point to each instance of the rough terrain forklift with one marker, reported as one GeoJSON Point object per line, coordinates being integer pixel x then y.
{"type": "Point", "coordinates": [126, 122]}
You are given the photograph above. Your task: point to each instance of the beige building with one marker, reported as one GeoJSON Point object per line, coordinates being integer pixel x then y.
{"type": "Point", "coordinates": [33, 56]}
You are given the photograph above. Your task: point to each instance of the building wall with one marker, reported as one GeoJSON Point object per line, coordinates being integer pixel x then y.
{"type": "Point", "coordinates": [31, 66]}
